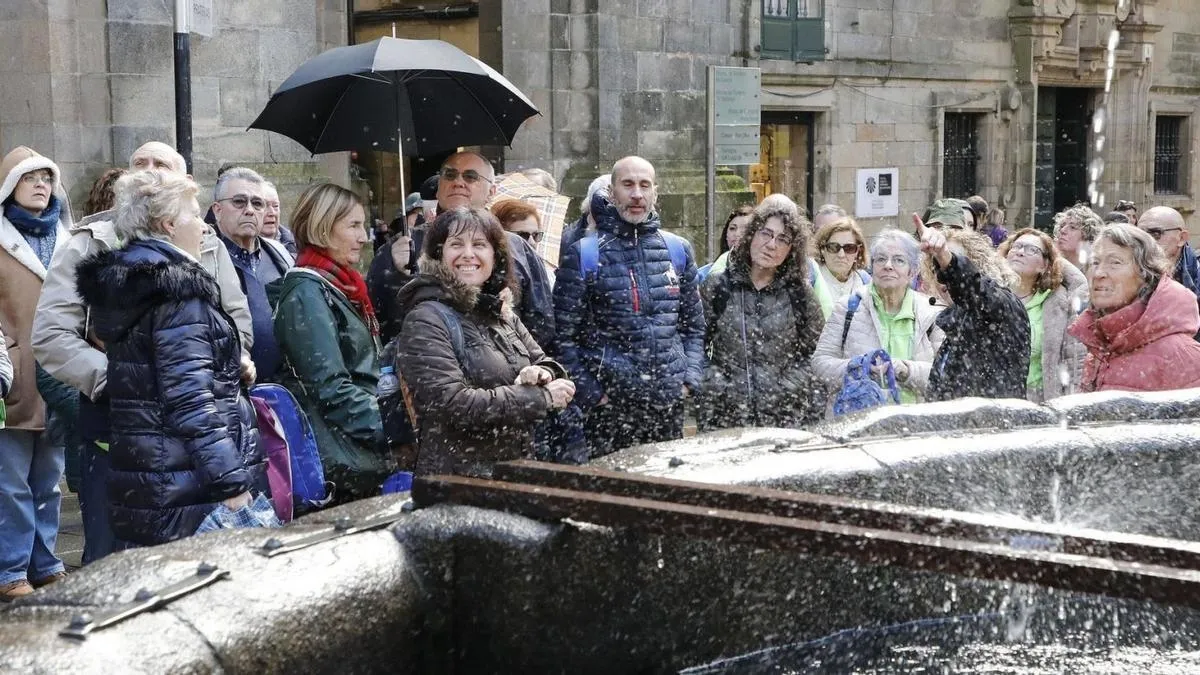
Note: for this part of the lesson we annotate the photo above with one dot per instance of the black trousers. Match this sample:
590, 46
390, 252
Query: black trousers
621, 424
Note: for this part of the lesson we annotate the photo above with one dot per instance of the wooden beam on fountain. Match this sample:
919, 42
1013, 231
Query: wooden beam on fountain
893, 546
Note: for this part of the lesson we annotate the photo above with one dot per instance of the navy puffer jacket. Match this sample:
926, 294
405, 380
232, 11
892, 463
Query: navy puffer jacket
182, 433
634, 329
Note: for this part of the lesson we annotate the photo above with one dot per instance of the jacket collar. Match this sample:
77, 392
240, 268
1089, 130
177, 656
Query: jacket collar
16, 246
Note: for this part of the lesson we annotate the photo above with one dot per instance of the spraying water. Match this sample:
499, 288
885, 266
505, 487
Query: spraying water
1099, 118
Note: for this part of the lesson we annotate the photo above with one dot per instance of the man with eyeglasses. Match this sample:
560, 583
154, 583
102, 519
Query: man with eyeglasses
239, 207
1168, 228
465, 180
68, 350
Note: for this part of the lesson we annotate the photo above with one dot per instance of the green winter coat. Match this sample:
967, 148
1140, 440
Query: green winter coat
331, 365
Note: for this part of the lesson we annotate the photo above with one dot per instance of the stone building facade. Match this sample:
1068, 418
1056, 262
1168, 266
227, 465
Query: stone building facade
87, 81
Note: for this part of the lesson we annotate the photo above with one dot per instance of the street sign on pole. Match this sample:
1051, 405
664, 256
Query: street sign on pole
734, 127
202, 17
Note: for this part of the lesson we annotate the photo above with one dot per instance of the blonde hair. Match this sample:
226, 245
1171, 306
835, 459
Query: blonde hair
978, 249
320, 207
146, 199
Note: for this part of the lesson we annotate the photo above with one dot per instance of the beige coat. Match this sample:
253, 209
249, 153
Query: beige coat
59, 329
21, 275
830, 359
1060, 350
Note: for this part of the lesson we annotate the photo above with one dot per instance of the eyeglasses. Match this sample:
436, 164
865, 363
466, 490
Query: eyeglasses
531, 237
240, 202
35, 178
1124, 205
1028, 249
896, 261
1158, 232
766, 236
952, 226
471, 176
832, 248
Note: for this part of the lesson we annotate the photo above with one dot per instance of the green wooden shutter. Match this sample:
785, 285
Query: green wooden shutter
791, 36
777, 32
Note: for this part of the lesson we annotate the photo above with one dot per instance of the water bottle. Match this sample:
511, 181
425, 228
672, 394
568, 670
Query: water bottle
389, 383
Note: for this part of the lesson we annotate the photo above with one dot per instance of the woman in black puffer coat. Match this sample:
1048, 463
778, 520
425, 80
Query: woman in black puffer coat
183, 438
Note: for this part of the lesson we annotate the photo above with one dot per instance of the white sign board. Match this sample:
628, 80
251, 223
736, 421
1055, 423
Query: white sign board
877, 193
202, 17
736, 114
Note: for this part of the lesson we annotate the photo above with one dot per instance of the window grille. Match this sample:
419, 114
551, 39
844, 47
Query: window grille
1168, 154
960, 156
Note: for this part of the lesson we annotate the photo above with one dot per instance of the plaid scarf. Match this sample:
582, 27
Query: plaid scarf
346, 279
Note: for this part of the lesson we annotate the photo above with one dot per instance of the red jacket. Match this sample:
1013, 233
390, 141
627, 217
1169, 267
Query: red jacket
1144, 346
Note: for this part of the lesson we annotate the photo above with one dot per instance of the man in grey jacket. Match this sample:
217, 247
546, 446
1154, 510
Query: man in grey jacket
65, 347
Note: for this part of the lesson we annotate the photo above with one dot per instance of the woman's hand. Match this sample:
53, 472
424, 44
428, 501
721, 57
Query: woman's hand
238, 502
561, 392
534, 376
933, 242
401, 253
249, 373
879, 369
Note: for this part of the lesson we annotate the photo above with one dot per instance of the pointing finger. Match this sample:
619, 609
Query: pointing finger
919, 226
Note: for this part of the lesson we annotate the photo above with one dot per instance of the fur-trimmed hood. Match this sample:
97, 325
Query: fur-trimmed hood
20, 161
436, 281
120, 286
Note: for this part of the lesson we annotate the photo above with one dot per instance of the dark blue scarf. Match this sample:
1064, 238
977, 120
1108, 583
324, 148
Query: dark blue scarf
39, 231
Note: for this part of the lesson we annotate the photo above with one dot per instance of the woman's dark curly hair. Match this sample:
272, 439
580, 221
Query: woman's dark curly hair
743, 210
462, 220
101, 197
795, 266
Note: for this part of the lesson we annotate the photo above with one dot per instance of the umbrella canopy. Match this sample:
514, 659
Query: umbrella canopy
420, 97
551, 206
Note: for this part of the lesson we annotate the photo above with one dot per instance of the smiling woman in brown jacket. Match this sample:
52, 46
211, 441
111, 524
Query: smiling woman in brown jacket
479, 395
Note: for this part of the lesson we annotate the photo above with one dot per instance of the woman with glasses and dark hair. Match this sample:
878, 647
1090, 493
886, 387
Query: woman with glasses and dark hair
479, 381
1054, 293
763, 323
1139, 328
840, 252
889, 315
329, 338
731, 234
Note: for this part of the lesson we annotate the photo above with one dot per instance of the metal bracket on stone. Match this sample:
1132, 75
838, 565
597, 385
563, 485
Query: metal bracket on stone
145, 600
342, 527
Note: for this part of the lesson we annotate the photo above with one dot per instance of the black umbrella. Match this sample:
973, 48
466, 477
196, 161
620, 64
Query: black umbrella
418, 96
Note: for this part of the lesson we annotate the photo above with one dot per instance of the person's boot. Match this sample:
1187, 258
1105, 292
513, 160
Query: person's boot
15, 589
47, 580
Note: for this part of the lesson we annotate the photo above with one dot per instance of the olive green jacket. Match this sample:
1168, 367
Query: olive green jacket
331, 365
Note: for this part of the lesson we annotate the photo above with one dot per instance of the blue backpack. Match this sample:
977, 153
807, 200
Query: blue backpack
860, 391
308, 475
589, 253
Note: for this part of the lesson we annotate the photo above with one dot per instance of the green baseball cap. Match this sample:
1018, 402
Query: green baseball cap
948, 212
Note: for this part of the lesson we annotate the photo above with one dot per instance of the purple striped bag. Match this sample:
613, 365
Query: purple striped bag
279, 460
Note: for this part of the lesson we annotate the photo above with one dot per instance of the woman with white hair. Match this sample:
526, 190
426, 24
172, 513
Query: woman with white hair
183, 439
889, 315
986, 349
1140, 324
33, 226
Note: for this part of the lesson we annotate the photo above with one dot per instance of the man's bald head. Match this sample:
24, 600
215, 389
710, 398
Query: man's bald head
157, 155
634, 189
1167, 227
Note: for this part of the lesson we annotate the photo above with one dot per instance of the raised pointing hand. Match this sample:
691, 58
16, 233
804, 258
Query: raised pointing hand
933, 242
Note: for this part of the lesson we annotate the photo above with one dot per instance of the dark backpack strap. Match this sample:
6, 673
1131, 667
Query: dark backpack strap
454, 326
851, 308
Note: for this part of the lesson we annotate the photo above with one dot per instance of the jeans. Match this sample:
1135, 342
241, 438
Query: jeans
31, 465
93, 502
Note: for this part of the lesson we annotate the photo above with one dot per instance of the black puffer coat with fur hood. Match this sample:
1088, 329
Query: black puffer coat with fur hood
183, 437
470, 414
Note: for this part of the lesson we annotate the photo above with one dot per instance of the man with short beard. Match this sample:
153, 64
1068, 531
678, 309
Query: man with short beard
631, 330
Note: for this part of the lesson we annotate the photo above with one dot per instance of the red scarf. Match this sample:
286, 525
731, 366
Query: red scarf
346, 279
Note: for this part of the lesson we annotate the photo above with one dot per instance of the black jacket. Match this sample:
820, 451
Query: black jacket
986, 350
183, 437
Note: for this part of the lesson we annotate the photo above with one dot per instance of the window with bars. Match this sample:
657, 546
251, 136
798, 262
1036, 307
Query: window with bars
1168, 154
793, 30
960, 155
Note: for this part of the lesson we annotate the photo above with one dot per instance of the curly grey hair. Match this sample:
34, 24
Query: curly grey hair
1148, 257
146, 199
891, 235
1088, 221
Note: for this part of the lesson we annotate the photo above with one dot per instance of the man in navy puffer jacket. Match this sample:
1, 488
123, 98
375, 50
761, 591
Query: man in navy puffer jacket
631, 332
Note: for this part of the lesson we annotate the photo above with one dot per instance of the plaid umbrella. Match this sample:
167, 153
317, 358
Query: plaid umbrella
551, 206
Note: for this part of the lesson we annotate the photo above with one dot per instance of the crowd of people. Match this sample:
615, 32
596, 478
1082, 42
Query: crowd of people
132, 336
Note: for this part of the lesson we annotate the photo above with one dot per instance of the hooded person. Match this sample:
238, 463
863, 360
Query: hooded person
66, 346
35, 221
477, 396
